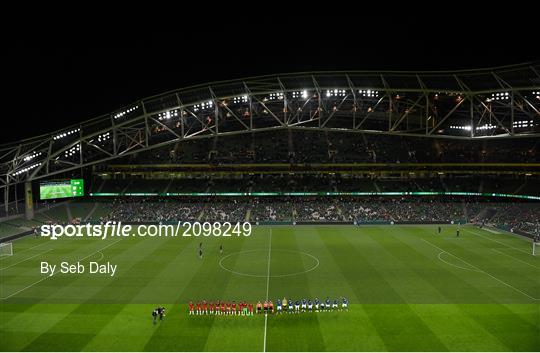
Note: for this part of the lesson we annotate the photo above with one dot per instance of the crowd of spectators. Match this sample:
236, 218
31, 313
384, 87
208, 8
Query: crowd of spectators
232, 211
151, 210
271, 209
317, 210
517, 216
402, 209
511, 215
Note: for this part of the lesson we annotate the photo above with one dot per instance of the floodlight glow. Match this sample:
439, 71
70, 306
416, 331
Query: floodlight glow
498, 96
461, 127
336, 93
486, 127
203, 105
240, 99
104, 137
24, 170
64, 134
72, 150
127, 111
276, 96
168, 114
523, 123
369, 93
300, 94
32, 156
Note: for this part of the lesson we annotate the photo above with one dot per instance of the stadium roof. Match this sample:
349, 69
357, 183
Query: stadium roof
491, 102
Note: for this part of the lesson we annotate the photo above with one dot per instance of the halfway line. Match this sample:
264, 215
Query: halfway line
267, 287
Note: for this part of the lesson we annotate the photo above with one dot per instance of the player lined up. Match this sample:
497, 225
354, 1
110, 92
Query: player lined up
284, 305
307, 305
241, 308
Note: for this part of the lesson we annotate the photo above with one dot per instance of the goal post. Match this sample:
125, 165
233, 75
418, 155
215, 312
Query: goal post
6, 249
536, 241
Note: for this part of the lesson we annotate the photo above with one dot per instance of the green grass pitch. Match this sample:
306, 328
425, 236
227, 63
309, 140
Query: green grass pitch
410, 290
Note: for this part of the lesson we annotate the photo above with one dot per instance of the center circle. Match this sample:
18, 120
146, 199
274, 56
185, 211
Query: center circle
254, 263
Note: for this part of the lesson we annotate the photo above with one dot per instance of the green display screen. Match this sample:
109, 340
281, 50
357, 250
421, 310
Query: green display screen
61, 189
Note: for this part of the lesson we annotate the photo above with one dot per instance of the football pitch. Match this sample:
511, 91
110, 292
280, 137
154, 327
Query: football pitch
409, 288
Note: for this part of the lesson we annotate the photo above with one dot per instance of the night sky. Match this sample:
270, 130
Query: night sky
59, 75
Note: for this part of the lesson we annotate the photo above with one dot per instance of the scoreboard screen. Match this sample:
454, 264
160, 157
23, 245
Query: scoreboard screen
61, 189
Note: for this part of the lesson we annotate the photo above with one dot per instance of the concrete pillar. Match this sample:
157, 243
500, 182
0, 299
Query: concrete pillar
28, 201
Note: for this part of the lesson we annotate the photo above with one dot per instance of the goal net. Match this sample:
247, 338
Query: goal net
6, 249
536, 248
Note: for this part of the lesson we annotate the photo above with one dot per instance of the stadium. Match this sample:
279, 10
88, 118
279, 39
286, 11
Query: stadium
398, 210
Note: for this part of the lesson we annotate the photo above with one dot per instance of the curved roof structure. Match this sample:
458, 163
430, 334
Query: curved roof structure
483, 103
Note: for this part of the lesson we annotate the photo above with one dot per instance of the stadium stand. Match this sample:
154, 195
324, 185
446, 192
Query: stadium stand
509, 215
333, 147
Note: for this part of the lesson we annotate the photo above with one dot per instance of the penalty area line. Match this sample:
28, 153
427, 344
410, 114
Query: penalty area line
515, 258
33, 247
482, 271
28, 258
499, 242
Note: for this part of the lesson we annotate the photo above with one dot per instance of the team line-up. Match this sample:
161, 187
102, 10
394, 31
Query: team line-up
243, 308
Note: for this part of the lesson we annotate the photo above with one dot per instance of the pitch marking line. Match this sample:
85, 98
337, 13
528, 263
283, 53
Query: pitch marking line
267, 287
265, 326
268, 269
101, 257
454, 265
272, 276
515, 258
25, 250
509, 246
41, 280
480, 270
28, 258
33, 247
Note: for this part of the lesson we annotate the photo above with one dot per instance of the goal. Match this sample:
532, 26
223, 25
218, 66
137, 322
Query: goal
6, 249
536, 241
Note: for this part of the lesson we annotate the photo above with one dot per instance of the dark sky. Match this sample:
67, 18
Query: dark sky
59, 74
